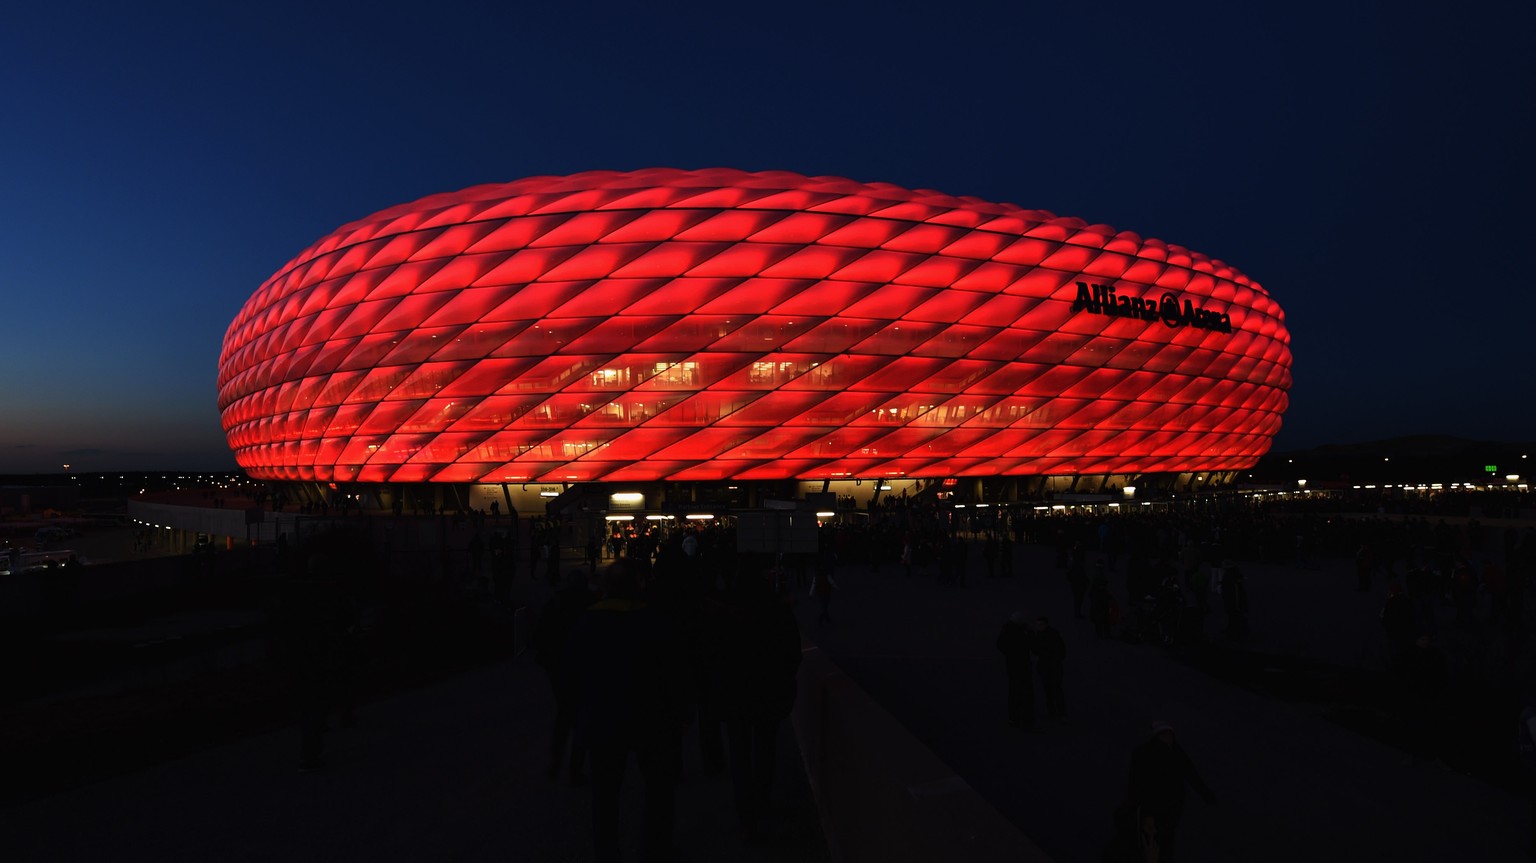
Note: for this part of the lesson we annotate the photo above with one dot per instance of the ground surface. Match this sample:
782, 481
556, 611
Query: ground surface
1293, 783
452, 769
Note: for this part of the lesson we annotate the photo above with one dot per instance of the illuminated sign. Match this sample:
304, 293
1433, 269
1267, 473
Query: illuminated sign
1103, 300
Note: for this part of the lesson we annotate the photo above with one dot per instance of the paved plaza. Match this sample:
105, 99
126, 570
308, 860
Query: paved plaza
454, 770
1291, 784
450, 772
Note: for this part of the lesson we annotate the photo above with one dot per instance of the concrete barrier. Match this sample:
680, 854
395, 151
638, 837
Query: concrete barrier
883, 795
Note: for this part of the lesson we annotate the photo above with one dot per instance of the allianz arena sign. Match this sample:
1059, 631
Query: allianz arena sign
1102, 300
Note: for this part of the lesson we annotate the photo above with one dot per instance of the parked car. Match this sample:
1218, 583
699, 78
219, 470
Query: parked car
47, 536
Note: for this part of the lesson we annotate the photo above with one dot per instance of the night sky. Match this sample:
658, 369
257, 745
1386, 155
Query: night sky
1371, 169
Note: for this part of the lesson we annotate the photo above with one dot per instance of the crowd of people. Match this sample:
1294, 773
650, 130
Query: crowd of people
667, 628
648, 647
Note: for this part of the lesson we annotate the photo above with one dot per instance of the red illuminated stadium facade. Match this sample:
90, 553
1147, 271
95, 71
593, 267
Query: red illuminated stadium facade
716, 325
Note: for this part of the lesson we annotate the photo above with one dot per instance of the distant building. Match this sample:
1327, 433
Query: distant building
35, 499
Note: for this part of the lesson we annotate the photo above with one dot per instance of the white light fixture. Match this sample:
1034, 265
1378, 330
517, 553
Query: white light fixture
700, 516
618, 518
825, 514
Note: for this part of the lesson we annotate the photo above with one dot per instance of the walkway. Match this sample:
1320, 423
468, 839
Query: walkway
450, 772
1291, 784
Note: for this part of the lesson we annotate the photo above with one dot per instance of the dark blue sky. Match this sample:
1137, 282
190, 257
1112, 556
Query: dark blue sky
1372, 169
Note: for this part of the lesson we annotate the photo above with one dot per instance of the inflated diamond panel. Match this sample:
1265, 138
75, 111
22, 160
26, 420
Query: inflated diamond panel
716, 324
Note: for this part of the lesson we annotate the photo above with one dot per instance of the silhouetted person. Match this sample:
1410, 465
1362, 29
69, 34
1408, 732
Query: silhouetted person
549, 642
1526, 747
1234, 599
315, 642
1496, 585
552, 561
631, 699
1397, 618
717, 620
1365, 564
1051, 649
1427, 677
1160, 770
1464, 592
822, 587
1099, 604
476, 554
1196, 576
957, 551
1077, 579
757, 685
1168, 607
1014, 643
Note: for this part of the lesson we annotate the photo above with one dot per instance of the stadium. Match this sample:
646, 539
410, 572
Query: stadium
731, 337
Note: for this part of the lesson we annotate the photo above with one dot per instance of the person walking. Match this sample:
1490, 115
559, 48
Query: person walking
1077, 579
548, 643
1051, 649
822, 587
1496, 585
1464, 592
1526, 747
1100, 605
1365, 565
632, 699
1160, 771
316, 631
755, 677
1426, 680
1234, 599
1014, 642
1398, 620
